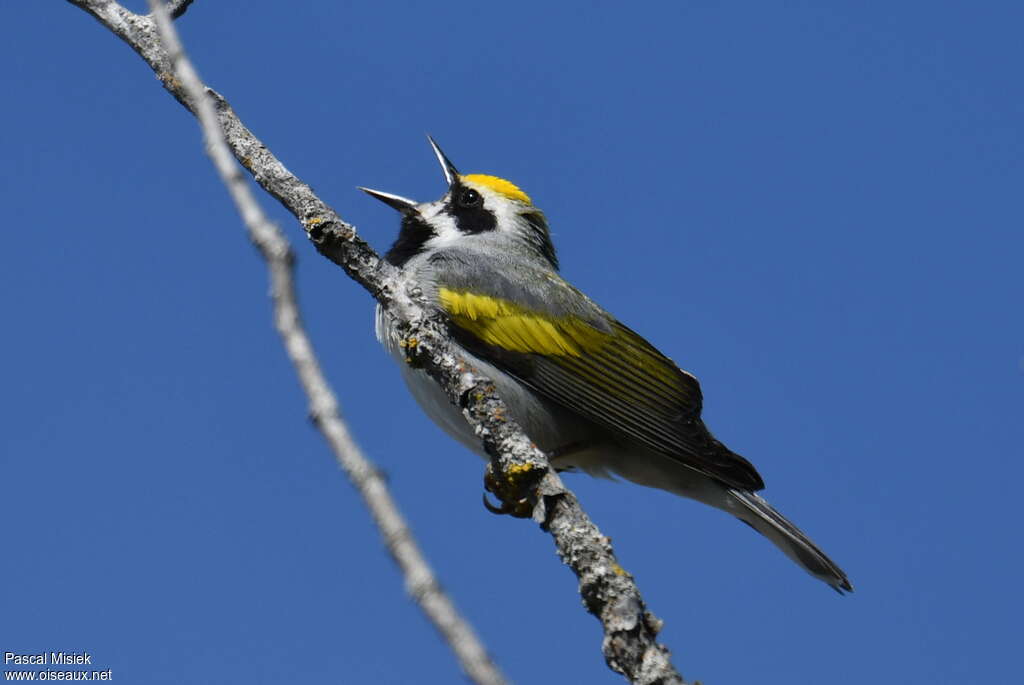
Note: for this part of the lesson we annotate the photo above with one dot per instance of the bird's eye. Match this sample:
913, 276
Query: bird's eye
470, 198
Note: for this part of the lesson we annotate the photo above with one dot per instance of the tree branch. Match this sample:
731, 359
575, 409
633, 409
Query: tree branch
176, 8
519, 474
421, 581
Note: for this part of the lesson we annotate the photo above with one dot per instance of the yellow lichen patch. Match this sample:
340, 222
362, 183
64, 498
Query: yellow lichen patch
507, 325
618, 570
499, 185
509, 479
517, 470
408, 344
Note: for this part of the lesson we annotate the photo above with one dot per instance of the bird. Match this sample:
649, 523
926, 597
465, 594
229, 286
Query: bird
590, 392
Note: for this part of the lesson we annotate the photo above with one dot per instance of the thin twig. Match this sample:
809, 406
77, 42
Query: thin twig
176, 8
519, 473
421, 581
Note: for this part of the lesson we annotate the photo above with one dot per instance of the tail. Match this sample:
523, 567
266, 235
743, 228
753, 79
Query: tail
760, 515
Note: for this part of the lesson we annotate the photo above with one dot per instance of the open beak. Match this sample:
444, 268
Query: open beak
402, 204
450, 172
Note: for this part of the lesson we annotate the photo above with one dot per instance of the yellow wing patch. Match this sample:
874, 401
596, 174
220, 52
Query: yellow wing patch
512, 327
499, 185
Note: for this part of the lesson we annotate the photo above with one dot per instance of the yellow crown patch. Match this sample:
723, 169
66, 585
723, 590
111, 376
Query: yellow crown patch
499, 185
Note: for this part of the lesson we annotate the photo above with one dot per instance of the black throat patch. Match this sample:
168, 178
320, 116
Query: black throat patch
412, 237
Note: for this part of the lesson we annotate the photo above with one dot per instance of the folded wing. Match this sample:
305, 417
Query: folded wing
583, 359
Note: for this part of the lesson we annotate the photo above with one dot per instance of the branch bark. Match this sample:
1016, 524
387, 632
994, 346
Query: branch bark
176, 8
519, 474
421, 582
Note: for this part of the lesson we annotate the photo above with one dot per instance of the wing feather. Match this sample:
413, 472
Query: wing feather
589, 362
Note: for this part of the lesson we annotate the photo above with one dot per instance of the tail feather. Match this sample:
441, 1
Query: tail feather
766, 520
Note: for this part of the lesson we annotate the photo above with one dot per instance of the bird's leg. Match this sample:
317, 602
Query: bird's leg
514, 489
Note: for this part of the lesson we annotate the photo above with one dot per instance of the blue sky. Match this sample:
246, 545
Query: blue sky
814, 207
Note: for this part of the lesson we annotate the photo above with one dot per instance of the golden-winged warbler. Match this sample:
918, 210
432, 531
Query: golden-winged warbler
589, 392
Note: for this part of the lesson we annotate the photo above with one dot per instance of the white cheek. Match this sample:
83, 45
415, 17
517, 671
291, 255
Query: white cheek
447, 232
506, 216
